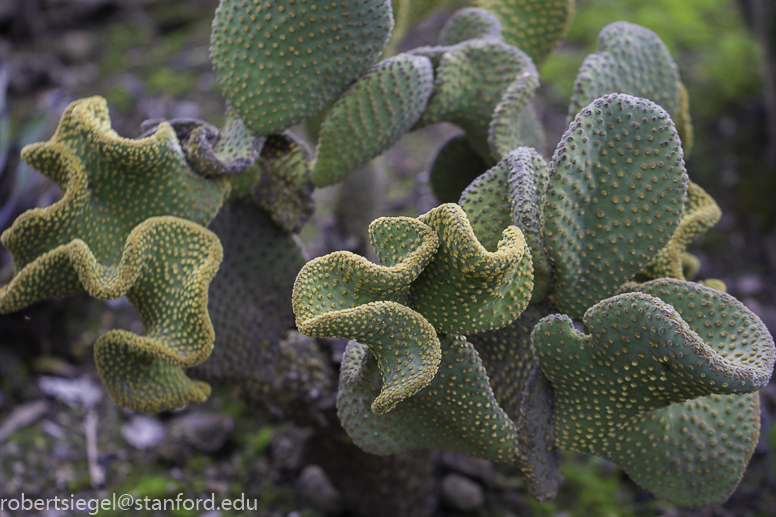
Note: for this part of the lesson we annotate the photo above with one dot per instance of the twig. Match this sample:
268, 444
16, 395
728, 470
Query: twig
96, 472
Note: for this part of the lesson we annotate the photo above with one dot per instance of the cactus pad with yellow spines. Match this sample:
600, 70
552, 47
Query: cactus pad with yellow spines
515, 123
470, 23
281, 62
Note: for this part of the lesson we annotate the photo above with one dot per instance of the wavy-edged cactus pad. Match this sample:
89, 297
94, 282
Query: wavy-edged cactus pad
455, 412
469, 83
466, 288
615, 196
111, 184
165, 271
470, 23
454, 165
284, 188
252, 315
535, 26
624, 385
701, 212
632, 60
281, 62
344, 295
515, 123
372, 115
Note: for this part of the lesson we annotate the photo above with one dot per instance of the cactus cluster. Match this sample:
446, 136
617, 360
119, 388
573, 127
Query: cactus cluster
466, 335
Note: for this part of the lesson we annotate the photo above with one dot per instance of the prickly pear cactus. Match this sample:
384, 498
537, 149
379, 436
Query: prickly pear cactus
470, 23
281, 62
614, 198
454, 165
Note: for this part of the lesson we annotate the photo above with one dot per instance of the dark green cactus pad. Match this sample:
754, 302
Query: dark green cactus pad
281, 62
632, 60
110, 184
692, 453
344, 295
470, 23
488, 204
527, 180
455, 412
466, 288
284, 188
252, 314
614, 198
701, 212
535, 26
453, 167
508, 130
165, 271
371, 116
470, 81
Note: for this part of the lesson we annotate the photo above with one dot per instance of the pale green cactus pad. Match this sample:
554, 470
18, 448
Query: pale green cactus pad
344, 295
701, 212
284, 188
455, 412
470, 23
111, 184
632, 60
454, 165
371, 116
165, 271
281, 62
535, 26
465, 287
488, 204
515, 123
615, 196
624, 385
469, 83
252, 315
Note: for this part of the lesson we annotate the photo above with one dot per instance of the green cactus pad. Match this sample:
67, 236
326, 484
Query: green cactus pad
535, 26
470, 23
284, 188
701, 212
165, 271
488, 204
251, 311
455, 412
453, 167
528, 177
470, 81
466, 288
344, 295
614, 198
508, 130
631, 60
281, 62
683, 120
111, 184
372, 115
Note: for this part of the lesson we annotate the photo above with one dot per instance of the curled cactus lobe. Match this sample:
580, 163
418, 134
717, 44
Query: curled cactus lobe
632, 60
659, 385
466, 288
165, 271
281, 62
701, 212
454, 165
371, 116
515, 122
284, 188
534, 26
614, 198
456, 411
111, 184
470, 23
344, 295
252, 314
470, 81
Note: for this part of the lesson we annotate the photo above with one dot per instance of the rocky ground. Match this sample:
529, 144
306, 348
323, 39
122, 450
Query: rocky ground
61, 435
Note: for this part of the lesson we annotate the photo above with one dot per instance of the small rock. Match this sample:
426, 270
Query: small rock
73, 392
315, 487
143, 432
461, 493
192, 432
748, 285
473, 467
